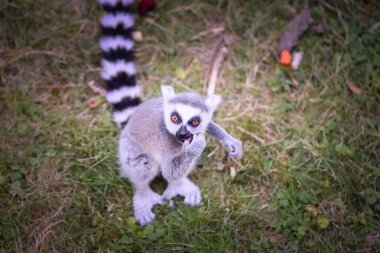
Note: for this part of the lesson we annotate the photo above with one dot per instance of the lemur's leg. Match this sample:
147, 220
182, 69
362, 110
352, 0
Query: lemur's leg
231, 144
176, 169
140, 169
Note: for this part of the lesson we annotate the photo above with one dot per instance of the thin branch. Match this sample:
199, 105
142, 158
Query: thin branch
252, 135
96, 89
332, 8
219, 55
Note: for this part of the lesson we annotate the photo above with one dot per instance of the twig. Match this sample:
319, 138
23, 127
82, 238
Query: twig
194, 8
80, 115
255, 70
154, 23
332, 8
19, 54
239, 115
42, 236
238, 163
294, 30
252, 135
213, 152
96, 89
60, 86
215, 31
374, 27
22, 53
214, 68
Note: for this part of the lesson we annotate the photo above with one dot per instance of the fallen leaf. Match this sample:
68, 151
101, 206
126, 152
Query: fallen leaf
55, 92
311, 209
275, 238
181, 73
79, 6
110, 207
92, 104
326, 183
217, 30
353, 88
323, 222
152, 78
302, 231
219, 166
372, 238
261, 191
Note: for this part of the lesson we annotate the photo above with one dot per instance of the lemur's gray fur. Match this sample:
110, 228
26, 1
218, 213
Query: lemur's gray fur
150, 144
163, 135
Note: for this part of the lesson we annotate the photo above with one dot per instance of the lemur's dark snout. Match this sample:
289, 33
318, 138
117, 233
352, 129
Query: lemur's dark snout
182, 134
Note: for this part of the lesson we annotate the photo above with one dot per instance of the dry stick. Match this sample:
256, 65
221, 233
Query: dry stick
217, 59
154, 23
332, 8
215, 31
294, 30
239, 115
19, 54
45, 232
254, 136
96, 89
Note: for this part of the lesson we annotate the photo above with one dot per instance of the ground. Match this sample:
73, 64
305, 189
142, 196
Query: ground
309, 183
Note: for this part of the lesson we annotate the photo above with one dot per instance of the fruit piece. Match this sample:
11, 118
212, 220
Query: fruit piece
285, 58
145, 6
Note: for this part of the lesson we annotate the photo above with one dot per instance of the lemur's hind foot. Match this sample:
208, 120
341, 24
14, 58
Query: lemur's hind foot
143, 202
185, 188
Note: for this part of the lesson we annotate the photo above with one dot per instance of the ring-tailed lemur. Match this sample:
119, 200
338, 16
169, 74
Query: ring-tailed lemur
162, 135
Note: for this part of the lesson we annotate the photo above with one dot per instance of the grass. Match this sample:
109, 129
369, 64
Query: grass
313, 186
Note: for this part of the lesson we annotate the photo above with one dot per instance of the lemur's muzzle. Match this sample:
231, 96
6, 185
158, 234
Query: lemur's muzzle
183, 134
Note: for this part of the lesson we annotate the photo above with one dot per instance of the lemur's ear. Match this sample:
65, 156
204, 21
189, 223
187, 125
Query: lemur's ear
167, 92
212, 102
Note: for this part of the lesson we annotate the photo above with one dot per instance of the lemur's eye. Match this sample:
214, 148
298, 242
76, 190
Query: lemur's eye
195, 122
175, 118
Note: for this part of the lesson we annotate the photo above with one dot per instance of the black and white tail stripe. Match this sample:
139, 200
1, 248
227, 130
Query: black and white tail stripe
118, 68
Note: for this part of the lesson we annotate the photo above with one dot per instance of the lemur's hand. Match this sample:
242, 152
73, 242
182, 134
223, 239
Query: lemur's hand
196, 146
233, 147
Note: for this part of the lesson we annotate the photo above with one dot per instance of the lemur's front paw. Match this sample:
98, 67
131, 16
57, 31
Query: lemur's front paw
233, 147
196, 146
143, 202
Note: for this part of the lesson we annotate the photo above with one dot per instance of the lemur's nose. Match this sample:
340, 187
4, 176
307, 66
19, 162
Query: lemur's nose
182, 132
182, 135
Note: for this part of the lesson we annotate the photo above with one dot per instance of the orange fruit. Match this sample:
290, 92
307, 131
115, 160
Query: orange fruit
285, 58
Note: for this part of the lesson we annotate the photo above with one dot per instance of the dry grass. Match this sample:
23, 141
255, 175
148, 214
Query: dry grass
309, 178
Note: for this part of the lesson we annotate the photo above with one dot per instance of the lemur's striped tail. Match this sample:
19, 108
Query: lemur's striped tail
118, 68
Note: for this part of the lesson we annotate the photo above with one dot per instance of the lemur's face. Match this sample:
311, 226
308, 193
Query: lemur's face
187, 114
184, 121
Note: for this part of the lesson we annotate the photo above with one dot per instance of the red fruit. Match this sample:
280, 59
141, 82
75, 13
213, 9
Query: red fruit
145, 6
